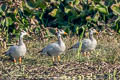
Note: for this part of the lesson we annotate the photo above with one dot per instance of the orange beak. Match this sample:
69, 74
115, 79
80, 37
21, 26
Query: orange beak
96, 32
28, 34
65, 33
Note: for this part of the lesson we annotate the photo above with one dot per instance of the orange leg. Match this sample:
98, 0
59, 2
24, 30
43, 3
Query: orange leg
20, 60
53, 59
58, 58
88, 55
84, 54
14, 60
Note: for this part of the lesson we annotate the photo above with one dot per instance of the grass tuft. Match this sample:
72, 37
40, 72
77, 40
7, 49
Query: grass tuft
103, 62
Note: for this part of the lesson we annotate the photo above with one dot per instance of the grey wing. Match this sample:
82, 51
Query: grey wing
46, 49
85, 44
11, 50
50, 48
76, 45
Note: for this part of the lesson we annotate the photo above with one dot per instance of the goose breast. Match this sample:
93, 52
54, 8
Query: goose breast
17, 51
53, 49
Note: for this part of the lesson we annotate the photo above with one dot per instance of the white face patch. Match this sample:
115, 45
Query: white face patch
23, 33
92, 31
59, 35
61, 31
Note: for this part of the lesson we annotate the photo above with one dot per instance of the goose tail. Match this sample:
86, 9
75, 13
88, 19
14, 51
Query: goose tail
70, 48
39, 51
7, 53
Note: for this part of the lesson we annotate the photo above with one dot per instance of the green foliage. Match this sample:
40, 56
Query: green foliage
116, 10
64, 14
79, 49
102, 8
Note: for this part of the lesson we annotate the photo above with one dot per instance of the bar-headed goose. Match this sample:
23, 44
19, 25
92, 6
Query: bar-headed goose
17, 51
87, 44
56, 48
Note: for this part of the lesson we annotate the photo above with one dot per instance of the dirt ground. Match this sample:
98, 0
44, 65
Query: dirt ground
103, 64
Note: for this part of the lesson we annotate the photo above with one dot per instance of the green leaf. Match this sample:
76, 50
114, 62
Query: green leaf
15, 11
119, 31
41, 3
77, 29
77, 2
96, 17
116, 8
102, 8
96, 1
3, 22
53, 12
8, 21
1, 10
4, 7
30, 4
67, 10
68, 1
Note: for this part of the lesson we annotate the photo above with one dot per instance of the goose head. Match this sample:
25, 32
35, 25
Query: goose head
92, 31
23, 33
60, 31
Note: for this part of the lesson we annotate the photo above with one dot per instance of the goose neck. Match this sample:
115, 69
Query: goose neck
59, 39
91, 36
21, 40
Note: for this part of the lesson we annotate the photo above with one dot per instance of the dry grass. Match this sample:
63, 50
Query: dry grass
103, 63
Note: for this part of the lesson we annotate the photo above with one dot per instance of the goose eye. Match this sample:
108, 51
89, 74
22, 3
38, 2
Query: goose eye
60, 30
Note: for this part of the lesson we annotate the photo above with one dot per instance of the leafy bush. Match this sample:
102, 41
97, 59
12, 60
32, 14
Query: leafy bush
67, 14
